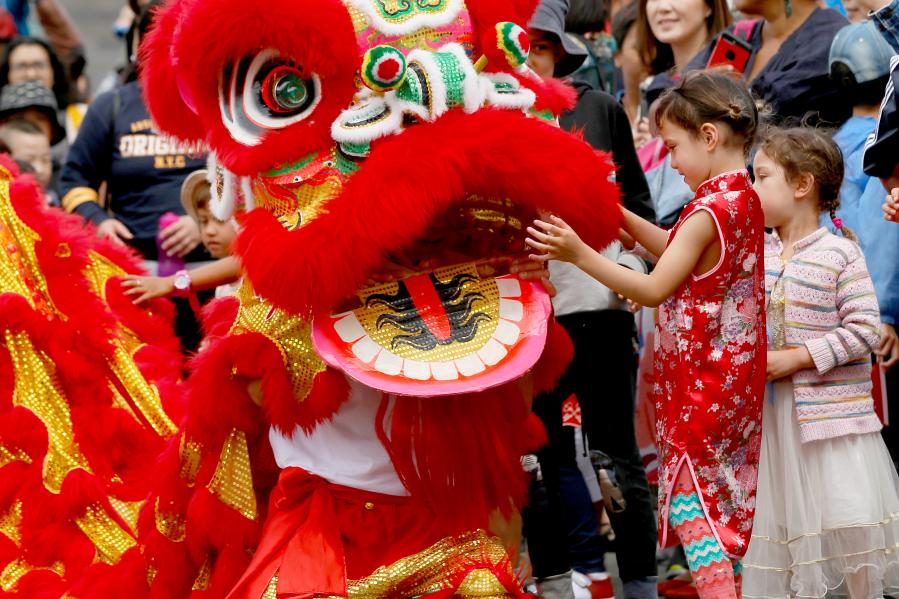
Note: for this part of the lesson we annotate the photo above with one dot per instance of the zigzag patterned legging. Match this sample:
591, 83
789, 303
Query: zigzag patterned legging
714, 574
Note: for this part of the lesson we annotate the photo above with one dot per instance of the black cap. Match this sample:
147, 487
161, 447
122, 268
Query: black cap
32, 94
550, 17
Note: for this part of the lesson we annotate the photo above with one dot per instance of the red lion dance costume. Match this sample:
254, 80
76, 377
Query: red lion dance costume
89, 396
355, 422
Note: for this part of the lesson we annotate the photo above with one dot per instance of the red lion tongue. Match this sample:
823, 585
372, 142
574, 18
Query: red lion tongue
428, 305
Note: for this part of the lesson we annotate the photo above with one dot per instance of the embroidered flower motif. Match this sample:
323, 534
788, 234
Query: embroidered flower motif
708, 353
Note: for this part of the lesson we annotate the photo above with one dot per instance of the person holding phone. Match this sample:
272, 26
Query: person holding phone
788, 67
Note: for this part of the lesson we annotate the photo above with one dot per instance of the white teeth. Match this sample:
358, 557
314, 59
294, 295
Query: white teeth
492, 352
349, 329
417, 371
444, 371
511, 310
366, 349
389, 363
508, 287
506, 332
506, 335
470, 365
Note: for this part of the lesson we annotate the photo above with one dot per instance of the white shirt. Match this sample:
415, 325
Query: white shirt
346, 449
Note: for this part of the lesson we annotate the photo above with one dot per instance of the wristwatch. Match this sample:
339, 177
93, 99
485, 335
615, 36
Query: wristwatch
182, 283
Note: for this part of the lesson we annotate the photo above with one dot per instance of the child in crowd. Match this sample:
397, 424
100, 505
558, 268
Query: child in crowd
27, 143
217, 236
710, 342
827, 493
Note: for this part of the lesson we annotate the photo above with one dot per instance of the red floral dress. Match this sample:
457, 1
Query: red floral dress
710, 354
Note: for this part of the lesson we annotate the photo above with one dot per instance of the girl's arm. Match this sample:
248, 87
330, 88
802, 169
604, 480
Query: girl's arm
208, 276
558, 241
652, 238
859, 333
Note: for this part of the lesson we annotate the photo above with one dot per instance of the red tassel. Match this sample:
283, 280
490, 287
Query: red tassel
556, 357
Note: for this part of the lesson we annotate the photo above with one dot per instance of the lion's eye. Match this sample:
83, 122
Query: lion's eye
284, 90
265, 92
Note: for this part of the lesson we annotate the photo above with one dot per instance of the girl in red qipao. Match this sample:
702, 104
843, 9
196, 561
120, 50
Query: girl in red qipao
711, 342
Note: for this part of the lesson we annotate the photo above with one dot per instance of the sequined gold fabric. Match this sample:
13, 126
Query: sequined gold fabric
129, 511
191, 455
232, 482
433, 569
10, 522
110, 539
7, 456
290, 334
384, 335
18, 568
20, 272
144, 396
170, 524
201, 582
38, 390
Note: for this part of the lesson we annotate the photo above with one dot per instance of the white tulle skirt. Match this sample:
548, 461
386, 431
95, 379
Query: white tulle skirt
827, 517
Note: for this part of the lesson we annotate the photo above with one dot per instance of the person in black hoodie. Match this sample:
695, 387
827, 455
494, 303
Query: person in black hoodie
603, 372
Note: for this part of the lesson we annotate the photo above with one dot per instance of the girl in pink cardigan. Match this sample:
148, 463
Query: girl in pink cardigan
827, 514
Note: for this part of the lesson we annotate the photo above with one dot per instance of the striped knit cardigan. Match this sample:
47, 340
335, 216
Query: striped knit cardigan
830, 307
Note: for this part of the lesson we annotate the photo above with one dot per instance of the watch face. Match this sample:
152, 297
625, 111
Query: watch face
182, 282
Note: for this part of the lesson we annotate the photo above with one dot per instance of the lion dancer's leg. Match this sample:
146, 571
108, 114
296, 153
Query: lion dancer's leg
715, 575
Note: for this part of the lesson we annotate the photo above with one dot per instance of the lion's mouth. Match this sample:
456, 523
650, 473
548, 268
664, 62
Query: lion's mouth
446, 314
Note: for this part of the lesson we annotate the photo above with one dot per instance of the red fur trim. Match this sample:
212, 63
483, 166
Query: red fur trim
490, 152
219, 400
554, 95
463, 467
158, 74
556, 357
318, 34
535, 433
219, 315
329, 390
485, 14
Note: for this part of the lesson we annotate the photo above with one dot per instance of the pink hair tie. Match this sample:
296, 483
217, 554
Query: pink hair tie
837, 222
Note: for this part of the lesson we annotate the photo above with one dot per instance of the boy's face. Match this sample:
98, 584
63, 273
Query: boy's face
34, 149
217, 235
546, 51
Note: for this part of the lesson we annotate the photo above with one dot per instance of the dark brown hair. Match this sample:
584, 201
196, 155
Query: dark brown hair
800, 150
710, 97
657, 55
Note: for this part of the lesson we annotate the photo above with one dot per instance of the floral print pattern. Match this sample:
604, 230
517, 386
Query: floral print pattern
710, 368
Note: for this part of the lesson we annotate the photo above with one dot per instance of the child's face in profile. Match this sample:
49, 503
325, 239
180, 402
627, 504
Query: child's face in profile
217, 235
777, 196
689, 153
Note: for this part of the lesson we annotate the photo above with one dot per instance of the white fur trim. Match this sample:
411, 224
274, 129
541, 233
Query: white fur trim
413, 24
521, 99
389, 125
246, 188
223, 209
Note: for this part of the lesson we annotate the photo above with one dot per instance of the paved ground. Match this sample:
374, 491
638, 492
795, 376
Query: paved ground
94, 19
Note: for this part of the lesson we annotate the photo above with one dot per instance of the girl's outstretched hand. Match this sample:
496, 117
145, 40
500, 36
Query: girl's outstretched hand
891, 206
556, 240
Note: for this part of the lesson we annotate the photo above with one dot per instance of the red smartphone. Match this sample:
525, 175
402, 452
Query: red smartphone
731, 50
